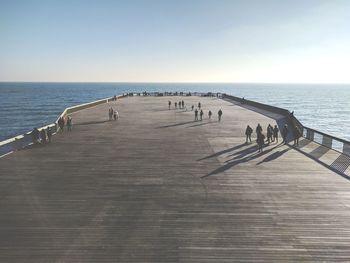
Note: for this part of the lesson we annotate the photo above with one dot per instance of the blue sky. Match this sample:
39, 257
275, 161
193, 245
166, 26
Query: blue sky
175, 41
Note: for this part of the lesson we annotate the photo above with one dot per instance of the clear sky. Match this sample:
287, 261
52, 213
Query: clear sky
298, 41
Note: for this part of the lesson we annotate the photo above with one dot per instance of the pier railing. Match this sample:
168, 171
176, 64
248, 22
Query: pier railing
329, 141
24, 140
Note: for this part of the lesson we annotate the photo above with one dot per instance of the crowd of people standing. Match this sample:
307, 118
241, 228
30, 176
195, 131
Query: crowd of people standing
271, 135
44, 136
197, 111
113, 114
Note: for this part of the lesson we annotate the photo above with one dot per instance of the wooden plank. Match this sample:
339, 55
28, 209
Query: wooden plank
155, 186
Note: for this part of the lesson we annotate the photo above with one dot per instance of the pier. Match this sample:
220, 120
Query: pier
157, 186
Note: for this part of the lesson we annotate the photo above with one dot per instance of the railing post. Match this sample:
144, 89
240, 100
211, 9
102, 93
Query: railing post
346, 148
327, 141
310, 134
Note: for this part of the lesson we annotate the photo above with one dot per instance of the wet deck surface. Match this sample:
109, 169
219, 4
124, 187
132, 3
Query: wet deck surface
155, 186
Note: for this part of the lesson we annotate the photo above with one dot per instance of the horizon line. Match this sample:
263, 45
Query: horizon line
180, 82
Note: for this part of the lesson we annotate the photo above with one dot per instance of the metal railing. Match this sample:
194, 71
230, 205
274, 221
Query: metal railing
24, 140
329, 141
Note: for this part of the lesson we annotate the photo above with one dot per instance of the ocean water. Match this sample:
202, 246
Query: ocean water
24, 106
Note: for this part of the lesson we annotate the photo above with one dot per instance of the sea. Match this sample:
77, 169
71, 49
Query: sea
25, 105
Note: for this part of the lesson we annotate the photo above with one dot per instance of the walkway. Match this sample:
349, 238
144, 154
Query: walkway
155, 186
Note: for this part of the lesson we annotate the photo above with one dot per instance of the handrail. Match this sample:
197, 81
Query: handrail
325, 134
329, 141
25, 140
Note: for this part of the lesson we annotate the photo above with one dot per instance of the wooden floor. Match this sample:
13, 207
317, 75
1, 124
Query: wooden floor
155, 186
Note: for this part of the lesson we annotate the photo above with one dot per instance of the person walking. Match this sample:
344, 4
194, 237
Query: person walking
183, 104
285, 133
49, 133
269, 133
248, 133
258, 129
199, 105
35, 136
201, 115
219, 114
196, 115
179, 105
115, 115
169, 104
175, 105
69, 123
296, 135
61, 123
275, 133
43, 136
209, 114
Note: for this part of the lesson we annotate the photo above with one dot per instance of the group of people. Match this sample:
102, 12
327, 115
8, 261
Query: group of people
197, 112
113, 114
271, 135
43, 136
180, 104
61, 123
201, 113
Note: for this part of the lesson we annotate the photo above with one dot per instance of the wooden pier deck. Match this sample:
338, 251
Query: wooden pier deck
155, 186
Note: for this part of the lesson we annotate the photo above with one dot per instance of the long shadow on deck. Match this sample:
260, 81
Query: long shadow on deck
233, 162
274, 156
158, 110
319, 152
244, 152
303, 143
174, 125
200, 124
222, 152
92, 122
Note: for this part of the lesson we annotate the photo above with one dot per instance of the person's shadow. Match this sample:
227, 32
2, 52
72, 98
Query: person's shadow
273, 156
175, 124
233, 162
223, 152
